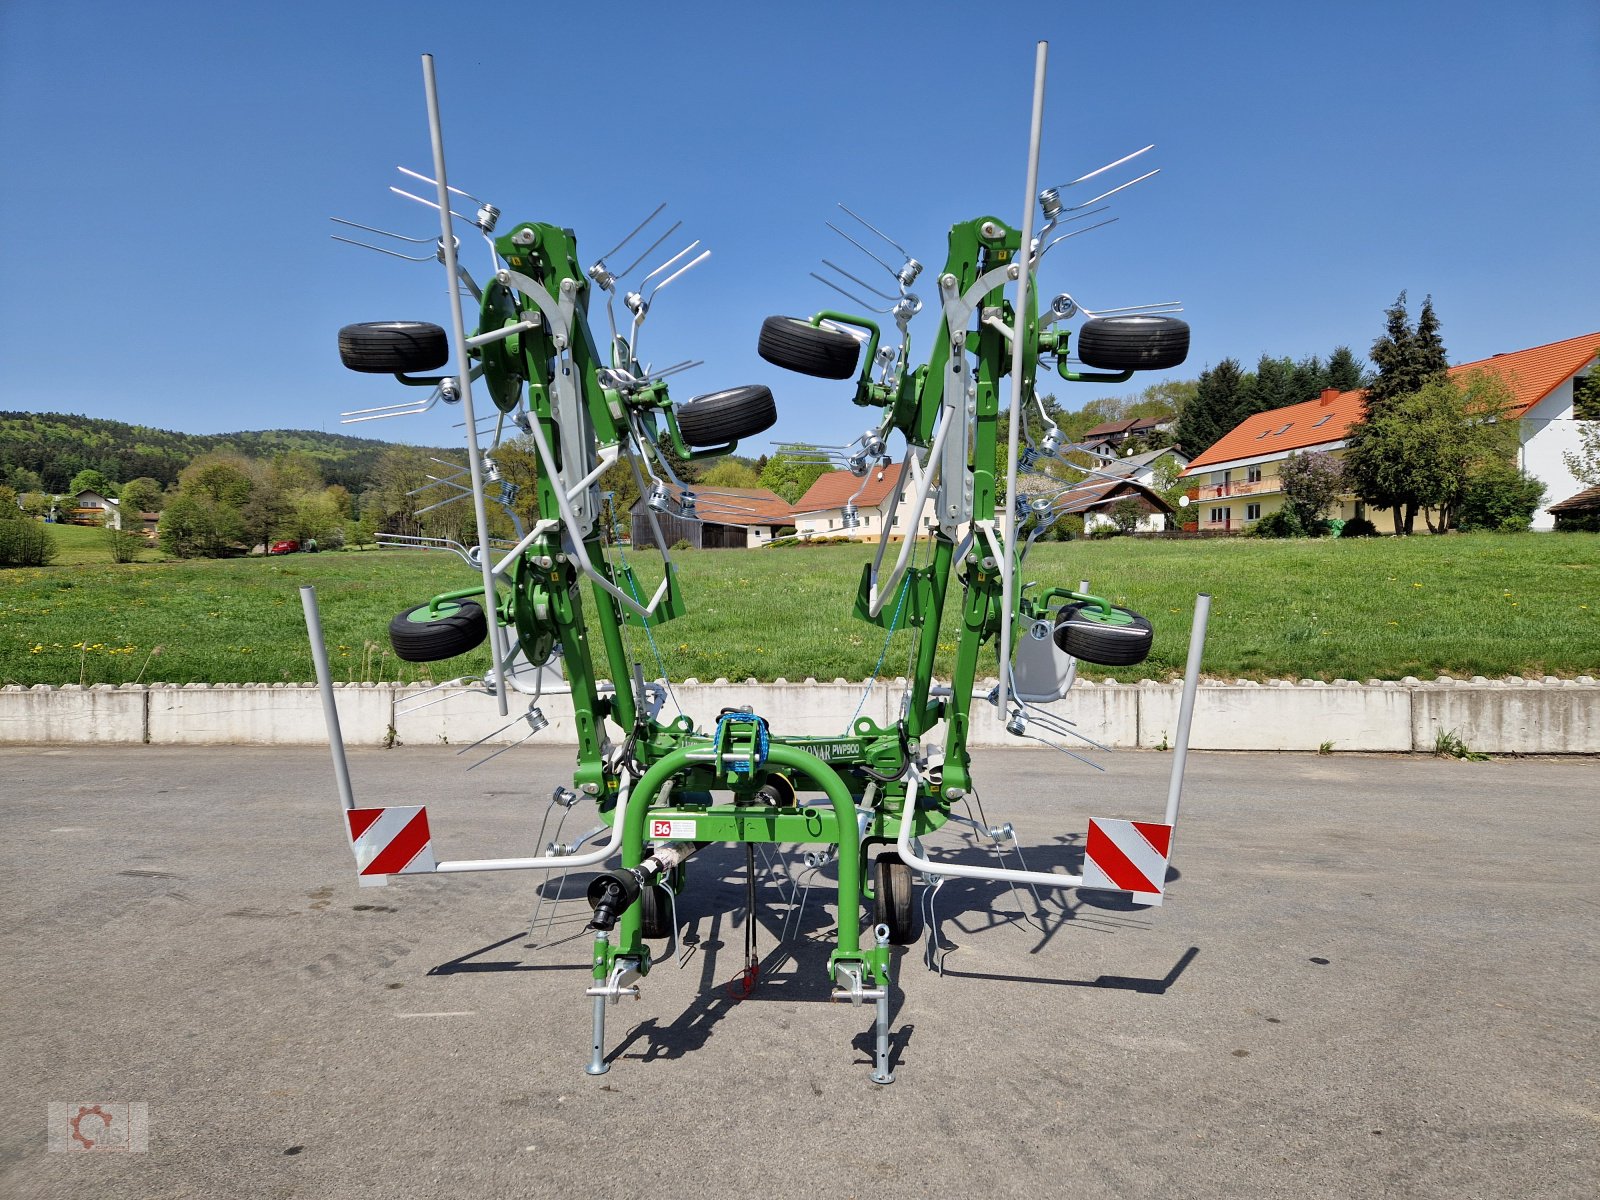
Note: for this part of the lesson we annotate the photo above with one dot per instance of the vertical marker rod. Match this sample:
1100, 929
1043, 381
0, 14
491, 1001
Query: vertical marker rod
1018, 354
458, 330
1191, 680
330, 711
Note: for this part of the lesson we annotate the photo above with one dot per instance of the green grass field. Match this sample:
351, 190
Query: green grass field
1478, 604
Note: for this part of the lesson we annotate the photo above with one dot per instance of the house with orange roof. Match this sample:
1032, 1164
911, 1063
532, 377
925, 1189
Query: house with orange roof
1237, 481
841, 504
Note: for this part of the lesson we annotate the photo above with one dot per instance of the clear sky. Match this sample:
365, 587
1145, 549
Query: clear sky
170, 169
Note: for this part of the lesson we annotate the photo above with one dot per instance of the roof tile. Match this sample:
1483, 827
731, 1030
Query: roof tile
836, 487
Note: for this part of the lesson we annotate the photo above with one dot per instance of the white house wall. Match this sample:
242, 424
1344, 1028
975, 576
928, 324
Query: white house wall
1546, 431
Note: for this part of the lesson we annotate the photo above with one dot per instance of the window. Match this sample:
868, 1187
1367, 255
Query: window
1219, 516
1219, 478
1323, 420
1285, 429
1261, 435
1252, 512
1254, 474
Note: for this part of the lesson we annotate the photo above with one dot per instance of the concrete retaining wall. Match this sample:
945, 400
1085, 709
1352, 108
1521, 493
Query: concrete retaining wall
1499, 716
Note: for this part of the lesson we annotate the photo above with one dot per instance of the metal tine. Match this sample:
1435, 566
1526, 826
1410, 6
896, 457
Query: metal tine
435, 182
381, 250
650, 249
450, 500
670, 261
356, 412
878, 231
1079, 232
1163, 305
1110, 165
421, 241
430, 204
687, 364
681, 271
635, 232
862, 282
503, 749
860, 247
1042, 742
403, 712
1119, 188
411, 412
1060, 725
473, 746
857, 299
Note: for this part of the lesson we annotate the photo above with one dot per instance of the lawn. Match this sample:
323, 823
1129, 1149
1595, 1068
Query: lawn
1478, 604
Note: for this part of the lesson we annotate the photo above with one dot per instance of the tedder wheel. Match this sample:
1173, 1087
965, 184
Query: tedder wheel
655, 913
726, 416
797, 345
1119, 639
1133, 343
895, 904
420, 636
393, 347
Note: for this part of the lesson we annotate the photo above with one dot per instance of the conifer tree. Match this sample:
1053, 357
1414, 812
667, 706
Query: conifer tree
1409, 358
1344, 370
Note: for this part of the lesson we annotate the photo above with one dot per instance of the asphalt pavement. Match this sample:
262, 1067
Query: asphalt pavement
1374, 976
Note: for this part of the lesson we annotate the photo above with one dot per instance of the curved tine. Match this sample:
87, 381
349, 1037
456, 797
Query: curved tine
880, 232
422, 241
381, 250
862, 282
687, 364
1159, 305
435, 182
1079, 233
1063, 750
1085, 214
861, 248
854, 299
357, 412
1110, 165
669, 262
1121, 187
634, 234
681, 271
650, 249
410, 412
431, 204
1060, 725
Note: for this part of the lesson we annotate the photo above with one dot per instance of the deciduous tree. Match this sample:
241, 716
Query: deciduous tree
1311, 484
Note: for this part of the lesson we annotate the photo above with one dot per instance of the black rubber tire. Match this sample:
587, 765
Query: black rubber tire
1133, 343
718, 418
458, 626
895, 904
393, 347
797, 345
1082, 635
655, 913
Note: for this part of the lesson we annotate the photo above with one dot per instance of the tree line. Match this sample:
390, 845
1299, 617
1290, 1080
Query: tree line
43, 452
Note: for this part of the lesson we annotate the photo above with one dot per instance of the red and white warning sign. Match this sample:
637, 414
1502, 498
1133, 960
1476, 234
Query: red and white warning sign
390, 841
1127, 856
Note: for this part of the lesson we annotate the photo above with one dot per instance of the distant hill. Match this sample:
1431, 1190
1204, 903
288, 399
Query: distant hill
57, 446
